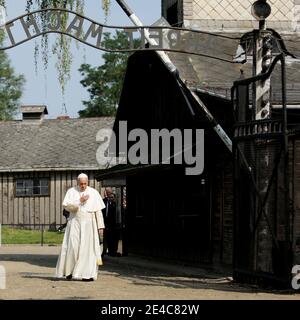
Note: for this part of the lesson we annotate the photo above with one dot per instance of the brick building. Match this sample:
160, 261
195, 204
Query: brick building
228, 15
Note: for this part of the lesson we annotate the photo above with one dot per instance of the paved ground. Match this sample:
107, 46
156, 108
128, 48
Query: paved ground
30, 269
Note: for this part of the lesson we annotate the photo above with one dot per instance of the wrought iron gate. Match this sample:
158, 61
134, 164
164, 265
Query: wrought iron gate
262, 235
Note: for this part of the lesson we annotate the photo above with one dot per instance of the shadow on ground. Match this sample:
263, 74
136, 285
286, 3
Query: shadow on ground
46, 260
143, 276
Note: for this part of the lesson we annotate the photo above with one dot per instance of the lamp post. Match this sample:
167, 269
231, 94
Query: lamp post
261, 60
260, 10
261, 111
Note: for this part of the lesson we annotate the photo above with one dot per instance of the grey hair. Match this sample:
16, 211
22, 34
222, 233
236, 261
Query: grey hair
82, 176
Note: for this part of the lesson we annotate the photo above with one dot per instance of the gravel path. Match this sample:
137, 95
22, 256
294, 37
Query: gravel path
30, 275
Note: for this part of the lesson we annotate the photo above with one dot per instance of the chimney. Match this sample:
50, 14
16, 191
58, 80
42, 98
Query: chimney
63, 118
34, 112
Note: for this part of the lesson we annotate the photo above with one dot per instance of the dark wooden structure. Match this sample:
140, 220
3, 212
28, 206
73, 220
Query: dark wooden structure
170, 214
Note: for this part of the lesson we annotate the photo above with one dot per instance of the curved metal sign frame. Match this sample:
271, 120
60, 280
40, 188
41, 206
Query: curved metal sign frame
168, 38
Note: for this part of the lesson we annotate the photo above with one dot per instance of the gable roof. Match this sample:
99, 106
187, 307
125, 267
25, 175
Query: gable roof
51, 144
217, 76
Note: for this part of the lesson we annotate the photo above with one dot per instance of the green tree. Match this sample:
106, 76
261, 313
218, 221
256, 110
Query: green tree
11, 86
104, 83
62, 46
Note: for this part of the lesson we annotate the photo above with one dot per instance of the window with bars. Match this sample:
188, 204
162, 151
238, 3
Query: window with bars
32, 187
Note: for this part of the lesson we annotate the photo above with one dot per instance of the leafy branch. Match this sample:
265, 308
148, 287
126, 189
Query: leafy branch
62, 46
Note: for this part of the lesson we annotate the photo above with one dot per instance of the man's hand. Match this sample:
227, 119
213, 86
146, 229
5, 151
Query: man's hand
84, 198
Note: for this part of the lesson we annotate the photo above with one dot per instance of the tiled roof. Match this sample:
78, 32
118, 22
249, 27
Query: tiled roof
50, 144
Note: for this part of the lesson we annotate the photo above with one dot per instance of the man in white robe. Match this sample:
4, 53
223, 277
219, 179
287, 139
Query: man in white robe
80, 254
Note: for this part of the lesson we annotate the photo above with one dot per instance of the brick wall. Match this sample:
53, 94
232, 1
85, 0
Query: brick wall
236, 14
296, 16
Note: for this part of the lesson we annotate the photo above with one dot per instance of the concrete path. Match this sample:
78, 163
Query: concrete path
30, 275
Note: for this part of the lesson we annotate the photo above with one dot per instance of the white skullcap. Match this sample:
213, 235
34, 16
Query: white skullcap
82, 176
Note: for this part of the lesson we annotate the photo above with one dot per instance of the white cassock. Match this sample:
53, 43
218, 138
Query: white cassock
80, 253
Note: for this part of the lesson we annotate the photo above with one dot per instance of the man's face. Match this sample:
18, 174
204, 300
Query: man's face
111, 197
108, 192
83, 183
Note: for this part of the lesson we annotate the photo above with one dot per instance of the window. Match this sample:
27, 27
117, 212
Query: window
32, 187
172, 11
172, 15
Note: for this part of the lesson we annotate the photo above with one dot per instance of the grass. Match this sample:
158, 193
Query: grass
22, 236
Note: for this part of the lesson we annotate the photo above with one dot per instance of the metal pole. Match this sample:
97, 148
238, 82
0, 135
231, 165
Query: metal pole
254, 73
286, 170
258, 69
263, 61
42, 236
261, 107
172, 68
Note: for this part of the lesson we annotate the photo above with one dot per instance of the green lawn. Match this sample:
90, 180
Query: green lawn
21, 236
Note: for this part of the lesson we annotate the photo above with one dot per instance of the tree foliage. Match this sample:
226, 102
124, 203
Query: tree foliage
106, 6
62, 45
11, 86
104, 83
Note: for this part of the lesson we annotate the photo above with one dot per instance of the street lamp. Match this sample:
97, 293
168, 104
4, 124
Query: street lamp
262, 56
260, 10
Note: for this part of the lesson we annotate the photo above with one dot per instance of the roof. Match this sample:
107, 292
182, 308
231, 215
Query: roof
126, 170
216, 75
34, 109
51, 144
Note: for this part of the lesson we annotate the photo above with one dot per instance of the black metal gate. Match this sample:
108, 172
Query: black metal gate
262, 237
262, 250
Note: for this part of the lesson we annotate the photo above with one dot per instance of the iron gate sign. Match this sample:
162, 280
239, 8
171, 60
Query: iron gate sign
90, 32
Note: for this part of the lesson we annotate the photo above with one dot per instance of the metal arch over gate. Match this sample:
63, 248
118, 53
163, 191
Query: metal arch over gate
90, 33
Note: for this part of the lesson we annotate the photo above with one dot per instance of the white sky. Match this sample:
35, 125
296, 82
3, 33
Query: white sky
44, 88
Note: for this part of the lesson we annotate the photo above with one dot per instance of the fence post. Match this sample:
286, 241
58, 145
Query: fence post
42, 236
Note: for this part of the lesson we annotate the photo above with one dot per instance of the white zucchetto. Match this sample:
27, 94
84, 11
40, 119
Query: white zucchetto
82, 176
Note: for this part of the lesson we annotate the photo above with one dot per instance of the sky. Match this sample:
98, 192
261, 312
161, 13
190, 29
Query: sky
43, 87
